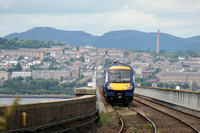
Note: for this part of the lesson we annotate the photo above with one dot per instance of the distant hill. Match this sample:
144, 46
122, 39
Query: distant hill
125, 39
195, 39
46, 33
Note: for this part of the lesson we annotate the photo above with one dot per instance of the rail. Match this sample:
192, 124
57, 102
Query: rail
123, 126
152, 123
189, 125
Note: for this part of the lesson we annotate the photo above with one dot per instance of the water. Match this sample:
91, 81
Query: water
9, 101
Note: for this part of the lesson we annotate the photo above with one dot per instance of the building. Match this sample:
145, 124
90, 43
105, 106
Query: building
4, 75
21, 73
50, 74
181, 77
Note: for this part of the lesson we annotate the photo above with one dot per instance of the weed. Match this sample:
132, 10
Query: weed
149, 127
104, 119
117, 108
9, 111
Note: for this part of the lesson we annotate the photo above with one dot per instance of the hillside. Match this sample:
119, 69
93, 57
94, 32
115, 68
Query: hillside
46, 33
128, 39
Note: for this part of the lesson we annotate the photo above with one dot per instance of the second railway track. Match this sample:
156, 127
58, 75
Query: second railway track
166, 120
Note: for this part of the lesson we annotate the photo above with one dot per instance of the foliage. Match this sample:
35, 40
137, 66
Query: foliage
166, 85
38, 86
105, 120
53, 66
49, 59
158, 59
18, 67
106, 52
172, 86
14, 43
183, 65
7, 113
126, 54
139, 80
117, 107
185, 86
33, 86
146, 84
36, 67
82, 59
20, 57
150, 77
129, 63
160, 85
68, 63
158, 70
108, 62
176, 54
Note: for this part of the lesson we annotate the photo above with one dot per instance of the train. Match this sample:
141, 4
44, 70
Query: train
118, 83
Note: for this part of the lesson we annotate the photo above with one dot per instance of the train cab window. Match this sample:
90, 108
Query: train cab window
119, 76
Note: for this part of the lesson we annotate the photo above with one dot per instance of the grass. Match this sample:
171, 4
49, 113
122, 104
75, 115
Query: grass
148, 126
117, 108
104, 119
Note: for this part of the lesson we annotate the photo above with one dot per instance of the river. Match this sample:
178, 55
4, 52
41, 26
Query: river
8, 100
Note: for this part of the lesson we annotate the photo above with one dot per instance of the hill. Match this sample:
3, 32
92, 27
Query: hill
125, 39
46, 33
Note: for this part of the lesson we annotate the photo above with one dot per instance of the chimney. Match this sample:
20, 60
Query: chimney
158, 42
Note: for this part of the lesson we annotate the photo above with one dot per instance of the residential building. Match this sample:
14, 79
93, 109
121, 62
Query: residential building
21, 73
4, 75
174, 77
50, 74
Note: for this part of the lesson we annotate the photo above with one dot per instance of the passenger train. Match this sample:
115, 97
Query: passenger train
118, 83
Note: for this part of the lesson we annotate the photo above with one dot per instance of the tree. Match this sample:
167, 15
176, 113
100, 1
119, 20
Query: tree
185, 86
166, 85
160, 84
18, 67
149, 84
108, 62
126, 54
106, 52
82, 59
138, 80
20, 57
61, 79
172, 86
47, 54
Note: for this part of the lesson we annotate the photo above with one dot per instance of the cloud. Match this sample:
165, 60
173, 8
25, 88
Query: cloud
6, 4
99, 17
62, 6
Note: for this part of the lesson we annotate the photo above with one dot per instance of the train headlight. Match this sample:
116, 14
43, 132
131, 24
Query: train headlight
109, 87
130, 87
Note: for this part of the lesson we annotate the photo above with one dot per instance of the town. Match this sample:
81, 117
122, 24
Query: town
68, 63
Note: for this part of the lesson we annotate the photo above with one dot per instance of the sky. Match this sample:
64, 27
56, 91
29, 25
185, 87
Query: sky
177, 17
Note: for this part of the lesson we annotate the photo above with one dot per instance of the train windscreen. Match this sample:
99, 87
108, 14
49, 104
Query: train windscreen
119, 76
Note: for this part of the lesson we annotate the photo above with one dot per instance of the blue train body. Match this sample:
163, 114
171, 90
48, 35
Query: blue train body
118, 83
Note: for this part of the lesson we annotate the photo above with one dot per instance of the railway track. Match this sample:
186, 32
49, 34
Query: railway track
133, 121
167, 119
122, 123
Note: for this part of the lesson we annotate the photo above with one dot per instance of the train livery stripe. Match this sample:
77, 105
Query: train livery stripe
120, 67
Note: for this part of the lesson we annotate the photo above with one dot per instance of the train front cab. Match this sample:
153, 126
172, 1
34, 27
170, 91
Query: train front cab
119, 85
